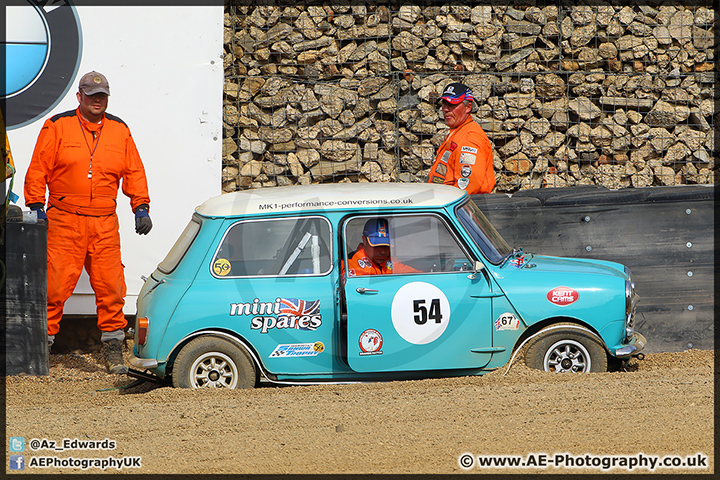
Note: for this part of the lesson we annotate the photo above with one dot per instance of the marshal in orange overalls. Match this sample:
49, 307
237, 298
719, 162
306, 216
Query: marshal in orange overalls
465, 160
81, 164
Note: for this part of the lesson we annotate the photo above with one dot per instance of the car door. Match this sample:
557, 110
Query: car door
437, 317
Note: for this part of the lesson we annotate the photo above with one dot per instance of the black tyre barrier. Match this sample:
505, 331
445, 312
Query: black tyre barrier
664, 234
24, 298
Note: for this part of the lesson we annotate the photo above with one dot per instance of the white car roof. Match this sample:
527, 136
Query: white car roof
330, 196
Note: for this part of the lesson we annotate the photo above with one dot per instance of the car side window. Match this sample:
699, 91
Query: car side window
422, 242
275, 247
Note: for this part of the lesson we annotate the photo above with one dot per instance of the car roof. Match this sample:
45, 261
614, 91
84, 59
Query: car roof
330, 196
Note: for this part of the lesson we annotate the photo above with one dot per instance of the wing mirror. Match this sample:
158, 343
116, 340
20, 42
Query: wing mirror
478, 266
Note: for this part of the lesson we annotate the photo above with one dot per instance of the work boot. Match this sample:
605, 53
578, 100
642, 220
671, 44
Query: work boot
112, 355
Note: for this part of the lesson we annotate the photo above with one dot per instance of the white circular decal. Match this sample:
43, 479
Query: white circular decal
420, 312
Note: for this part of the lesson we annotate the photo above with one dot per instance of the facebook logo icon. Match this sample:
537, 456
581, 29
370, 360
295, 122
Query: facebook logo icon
17, 462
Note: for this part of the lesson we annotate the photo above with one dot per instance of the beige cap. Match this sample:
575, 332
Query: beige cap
94, 82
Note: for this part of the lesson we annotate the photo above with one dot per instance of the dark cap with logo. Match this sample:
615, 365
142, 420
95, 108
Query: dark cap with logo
456, 93
94, 82
377, 232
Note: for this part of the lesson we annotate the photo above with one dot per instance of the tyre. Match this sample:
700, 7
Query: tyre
213, 362
566, 350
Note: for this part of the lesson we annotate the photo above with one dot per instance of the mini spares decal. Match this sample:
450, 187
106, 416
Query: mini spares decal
280, 314
562, 296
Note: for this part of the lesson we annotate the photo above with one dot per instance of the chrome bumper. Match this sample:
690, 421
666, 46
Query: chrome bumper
142, 363
637, 343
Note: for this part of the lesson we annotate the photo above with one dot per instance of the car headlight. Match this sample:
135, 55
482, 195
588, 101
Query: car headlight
631, 298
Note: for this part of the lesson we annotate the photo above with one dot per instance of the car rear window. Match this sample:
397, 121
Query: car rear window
275, 247
172, 259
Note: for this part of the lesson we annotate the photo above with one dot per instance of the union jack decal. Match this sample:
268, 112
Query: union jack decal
299, 308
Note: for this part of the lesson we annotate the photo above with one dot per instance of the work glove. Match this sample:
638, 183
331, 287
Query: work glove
39, 210
143, 224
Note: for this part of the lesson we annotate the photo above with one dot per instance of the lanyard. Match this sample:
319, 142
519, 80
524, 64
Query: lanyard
92, 151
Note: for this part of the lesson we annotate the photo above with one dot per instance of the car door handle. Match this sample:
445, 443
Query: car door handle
365, 290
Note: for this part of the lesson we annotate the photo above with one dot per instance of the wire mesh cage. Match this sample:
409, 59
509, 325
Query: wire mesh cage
569, 93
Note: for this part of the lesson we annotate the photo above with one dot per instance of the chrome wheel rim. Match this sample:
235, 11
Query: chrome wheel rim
214, 370
567, 356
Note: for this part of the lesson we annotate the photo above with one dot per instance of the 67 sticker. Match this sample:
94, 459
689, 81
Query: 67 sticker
507, 321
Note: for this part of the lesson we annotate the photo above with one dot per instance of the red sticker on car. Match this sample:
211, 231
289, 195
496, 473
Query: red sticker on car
562, 296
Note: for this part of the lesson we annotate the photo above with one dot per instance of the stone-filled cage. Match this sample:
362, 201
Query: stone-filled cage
570, 93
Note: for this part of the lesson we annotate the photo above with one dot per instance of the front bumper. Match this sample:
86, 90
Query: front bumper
635, 346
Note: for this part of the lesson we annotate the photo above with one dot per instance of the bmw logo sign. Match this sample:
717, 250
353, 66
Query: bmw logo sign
42, 46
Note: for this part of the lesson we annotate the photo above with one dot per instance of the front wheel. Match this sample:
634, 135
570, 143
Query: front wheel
566, 350
213, 362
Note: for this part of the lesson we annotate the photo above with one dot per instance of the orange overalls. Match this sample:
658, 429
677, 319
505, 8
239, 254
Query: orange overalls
360, 264
82, 163
465, 160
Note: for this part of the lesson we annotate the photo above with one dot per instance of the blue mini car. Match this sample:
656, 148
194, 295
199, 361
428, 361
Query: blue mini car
368, 282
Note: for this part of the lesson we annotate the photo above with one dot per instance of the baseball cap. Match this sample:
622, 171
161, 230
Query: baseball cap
94, 82
456, 93
377, 232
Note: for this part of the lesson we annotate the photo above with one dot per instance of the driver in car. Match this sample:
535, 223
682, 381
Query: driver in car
372, 256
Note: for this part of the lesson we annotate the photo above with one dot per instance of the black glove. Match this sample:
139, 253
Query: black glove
39, 210
143, 224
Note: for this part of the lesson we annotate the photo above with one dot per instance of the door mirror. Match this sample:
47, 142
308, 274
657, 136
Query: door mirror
478, 266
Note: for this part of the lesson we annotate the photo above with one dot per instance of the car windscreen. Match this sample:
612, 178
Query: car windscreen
181, 246
488, 240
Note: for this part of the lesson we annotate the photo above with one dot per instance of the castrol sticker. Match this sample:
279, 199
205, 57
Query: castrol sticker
562, 296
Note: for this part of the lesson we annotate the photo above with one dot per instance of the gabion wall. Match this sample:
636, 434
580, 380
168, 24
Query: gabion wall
570, 93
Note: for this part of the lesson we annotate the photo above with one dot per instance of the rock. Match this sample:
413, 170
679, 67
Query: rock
676, 154
509, 60
550, 86
518, 164
338, 151
665, 175
584, 108
251, 169
680, 23
665, 115
518, 100
308, 158
329, 169
643, 178
372, 171
660, 138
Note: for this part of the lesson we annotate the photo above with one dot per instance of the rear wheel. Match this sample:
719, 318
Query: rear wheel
566, 350
213, 362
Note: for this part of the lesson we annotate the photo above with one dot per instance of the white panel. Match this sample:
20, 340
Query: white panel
165, 69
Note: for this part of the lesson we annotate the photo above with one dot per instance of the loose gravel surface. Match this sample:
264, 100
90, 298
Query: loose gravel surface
659, 407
